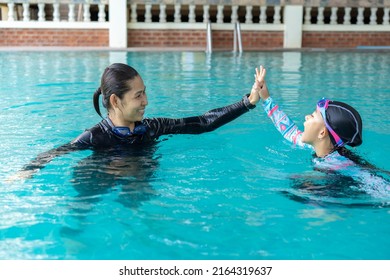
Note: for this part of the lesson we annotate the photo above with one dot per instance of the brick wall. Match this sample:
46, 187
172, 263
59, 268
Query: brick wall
253, 40
166, 38
344, 39
54, 37
222, 39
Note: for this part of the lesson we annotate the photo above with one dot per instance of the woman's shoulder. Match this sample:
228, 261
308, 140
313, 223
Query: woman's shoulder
93, 136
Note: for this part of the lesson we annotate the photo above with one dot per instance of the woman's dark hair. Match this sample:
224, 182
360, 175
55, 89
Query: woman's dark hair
115, 80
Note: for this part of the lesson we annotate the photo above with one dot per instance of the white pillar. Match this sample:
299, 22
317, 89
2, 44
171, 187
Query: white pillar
360, 16
133, 14
220, 14
148, 13
308, 15
386, 16
102, 13
277, 15
26, 12
263, 16
71, 14
86, 14
234, 16
347, 16
206, 14
56, 12
118, 23
11, 13
248, 14
177, 15
191, 14
320, 17
41, 12
373, 16
293, 26
163, 13
333, 15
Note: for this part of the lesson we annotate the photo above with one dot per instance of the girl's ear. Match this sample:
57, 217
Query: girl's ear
322, 133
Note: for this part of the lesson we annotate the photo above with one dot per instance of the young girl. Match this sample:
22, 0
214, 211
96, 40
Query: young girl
327, 130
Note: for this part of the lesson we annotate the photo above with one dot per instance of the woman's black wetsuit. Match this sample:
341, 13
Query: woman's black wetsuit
101, 136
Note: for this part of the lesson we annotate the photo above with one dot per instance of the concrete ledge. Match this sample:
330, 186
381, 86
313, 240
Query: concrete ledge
185, 49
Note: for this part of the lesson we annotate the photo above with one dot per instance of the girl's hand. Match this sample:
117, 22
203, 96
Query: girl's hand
259, 77
260, 86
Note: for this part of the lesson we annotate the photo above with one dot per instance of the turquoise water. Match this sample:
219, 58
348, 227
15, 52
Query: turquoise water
228, 194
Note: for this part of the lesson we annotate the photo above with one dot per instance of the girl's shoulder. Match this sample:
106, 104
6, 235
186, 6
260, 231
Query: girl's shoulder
334, 161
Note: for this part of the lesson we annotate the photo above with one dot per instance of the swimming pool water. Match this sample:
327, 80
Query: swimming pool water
227, 194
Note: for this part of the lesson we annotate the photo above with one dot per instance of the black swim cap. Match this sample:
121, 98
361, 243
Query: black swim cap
346, 122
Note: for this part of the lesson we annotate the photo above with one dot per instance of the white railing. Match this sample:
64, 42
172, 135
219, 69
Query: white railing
53, 13
256, 15
146, 13
178, 16
346, 19
184, 16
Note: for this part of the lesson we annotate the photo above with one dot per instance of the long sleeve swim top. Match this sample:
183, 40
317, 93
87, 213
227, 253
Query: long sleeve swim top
101, 136
283, 123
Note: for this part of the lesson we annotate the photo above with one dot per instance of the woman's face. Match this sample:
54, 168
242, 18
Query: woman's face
313, 125
134, 102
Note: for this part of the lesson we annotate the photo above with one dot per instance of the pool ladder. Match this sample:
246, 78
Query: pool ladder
209, 43
236, 38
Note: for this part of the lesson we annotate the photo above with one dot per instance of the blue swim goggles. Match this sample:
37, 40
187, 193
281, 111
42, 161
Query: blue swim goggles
124, 131
322, 105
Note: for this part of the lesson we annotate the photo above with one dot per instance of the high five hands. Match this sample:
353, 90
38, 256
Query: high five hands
259, 86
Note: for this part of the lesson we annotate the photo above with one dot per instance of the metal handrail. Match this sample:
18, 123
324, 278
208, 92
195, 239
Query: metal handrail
237, 38
209, 43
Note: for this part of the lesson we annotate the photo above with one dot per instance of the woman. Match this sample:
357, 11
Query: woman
327, 130
124, 96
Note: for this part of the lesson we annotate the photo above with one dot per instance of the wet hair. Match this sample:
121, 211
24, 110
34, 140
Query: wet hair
346, 122
115, 80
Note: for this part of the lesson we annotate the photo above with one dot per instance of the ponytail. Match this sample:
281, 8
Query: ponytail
96, 101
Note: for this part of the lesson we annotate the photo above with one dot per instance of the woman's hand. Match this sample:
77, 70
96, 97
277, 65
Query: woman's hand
254, 97
20, 176
260, 86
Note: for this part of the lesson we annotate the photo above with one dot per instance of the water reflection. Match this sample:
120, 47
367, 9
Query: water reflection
124, 173
327, 188
127, 172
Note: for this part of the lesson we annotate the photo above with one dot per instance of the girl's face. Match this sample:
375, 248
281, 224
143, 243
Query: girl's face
313, 125
134, 102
